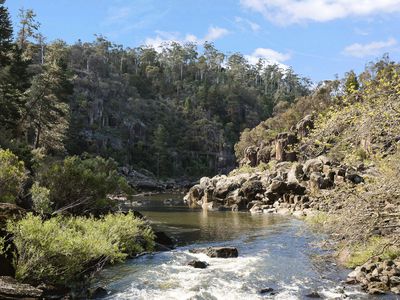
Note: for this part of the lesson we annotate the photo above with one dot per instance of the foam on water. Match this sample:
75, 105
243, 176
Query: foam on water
274, 252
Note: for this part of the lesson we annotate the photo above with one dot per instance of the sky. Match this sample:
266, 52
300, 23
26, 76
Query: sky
317, 38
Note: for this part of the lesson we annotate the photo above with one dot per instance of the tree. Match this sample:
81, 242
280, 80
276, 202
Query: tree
13, 75
351, 84
6, 31
28, 29
47, 111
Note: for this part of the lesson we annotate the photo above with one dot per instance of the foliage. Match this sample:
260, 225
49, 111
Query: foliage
62, 250
287, 116
12, 176
41, 199
180, 105
376, 246
247, 169
366, 121
80, 185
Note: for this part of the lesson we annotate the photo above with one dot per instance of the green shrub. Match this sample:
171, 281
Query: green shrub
63, 249
12, 176
82, 186
40, 199
375, 246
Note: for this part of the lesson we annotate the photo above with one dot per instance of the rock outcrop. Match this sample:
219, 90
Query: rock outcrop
285, 188
377, 277
10, 288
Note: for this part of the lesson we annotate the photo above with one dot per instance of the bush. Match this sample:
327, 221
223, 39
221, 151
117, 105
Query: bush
40, 199
61, 250
12, 176
375, 246
82, 186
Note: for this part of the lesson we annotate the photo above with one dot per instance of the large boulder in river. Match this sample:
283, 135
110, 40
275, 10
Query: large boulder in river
12, 289
222, 252
251, 188
194, 196
226, 185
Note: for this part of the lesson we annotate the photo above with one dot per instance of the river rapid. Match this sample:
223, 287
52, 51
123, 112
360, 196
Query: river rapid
274, 252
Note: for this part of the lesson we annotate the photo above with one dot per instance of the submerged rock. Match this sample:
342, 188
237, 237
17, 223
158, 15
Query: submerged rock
221, 252
163, 241
198, 264
98, 292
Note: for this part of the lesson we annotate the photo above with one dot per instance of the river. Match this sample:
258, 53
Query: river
274, 252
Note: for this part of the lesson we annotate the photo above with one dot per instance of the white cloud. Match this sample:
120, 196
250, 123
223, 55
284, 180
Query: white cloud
215, 33
286, 12
242, 22
165, 38
374, 48
269, 55
118, 14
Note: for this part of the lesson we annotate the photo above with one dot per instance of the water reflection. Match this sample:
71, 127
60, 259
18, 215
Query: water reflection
194, 226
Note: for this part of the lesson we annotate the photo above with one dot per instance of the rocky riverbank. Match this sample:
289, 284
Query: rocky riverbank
281, 177
145, 181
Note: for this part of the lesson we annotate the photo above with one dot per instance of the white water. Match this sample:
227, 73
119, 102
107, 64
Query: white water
274, 252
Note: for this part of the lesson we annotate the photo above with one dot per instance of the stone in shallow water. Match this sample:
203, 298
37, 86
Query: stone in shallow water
198, 264
266, 290
313, 294
222, 252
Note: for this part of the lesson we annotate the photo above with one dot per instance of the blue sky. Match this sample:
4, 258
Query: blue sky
318, 38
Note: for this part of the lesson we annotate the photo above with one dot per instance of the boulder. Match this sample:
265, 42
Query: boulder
10, 288
250, 155
198, 264
226, 185
296, 173
251, 188
221, 252
205, 182
377, 287
163, 241
312, 165
278, 187
264, 155
193, 197
305, 126
266, 290
296, 188
354, 178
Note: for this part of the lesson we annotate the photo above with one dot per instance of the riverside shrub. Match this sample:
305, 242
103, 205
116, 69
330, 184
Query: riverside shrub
62, 250
12, 176
82, 186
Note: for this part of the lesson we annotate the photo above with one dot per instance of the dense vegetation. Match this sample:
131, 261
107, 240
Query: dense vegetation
63, 250
183, 106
